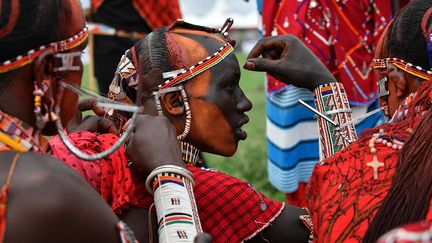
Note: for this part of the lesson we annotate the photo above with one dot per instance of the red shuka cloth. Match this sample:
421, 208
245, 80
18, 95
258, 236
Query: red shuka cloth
156, 13
342, 34
229, 209
342, 195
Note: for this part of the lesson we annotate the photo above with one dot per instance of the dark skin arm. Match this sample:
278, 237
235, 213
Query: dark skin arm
287, 227
48, 202
287, 59
290, 61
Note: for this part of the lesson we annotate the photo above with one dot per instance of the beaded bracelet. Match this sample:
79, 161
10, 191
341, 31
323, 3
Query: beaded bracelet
176, 209
331, 100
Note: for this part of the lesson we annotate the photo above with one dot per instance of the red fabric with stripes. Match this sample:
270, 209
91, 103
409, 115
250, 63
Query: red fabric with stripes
229, 209
342, 34
156, 13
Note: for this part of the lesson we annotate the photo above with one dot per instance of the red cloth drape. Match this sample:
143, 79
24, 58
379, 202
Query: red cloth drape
342, 34
156, 13
229, 209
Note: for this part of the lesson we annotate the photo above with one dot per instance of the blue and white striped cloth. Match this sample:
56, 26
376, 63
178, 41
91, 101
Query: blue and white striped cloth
292, 136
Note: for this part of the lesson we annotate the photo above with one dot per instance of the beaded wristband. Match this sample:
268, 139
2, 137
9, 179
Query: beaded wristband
168, 169
331, 100
176, 209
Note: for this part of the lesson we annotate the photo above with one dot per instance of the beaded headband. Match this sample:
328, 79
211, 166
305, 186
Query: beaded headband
378, 63
58, 46
126, 73
179, 76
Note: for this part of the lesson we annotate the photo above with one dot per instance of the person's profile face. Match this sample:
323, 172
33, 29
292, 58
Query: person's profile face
220, 114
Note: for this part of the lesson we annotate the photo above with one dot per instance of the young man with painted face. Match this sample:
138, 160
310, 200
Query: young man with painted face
364, 190
207, 107
347, 189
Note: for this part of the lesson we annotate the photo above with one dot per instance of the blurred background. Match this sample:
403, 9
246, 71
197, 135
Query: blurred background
250, 161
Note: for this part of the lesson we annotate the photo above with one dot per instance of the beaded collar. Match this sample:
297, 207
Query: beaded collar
378, 63
16, 135
59, 46
190, 154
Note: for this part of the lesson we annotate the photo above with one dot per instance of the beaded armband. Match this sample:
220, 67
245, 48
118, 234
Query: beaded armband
176, 209
331, 100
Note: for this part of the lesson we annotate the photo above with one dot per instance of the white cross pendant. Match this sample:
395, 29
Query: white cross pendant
375, 164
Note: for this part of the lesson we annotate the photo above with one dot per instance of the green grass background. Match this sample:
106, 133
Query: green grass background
250, 161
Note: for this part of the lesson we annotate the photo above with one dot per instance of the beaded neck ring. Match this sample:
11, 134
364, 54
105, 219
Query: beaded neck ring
174, 79
30, 56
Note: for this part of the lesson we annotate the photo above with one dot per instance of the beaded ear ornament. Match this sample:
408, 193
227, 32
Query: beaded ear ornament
174, 79
381, 64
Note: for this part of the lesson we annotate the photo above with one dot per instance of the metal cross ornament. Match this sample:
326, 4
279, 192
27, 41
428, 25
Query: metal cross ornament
375, 164
382, 88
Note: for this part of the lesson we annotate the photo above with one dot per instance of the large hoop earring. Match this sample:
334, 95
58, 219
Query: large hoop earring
107, 103
157, 95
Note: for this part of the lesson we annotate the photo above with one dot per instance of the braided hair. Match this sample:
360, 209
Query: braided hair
405, 37
411, 190
157, 50
27, 24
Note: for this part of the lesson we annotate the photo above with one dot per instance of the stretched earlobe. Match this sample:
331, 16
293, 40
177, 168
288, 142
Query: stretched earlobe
173, 103
43, 66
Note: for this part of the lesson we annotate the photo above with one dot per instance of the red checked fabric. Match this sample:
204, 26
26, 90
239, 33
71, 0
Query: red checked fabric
229, 209
156, 13
110, 177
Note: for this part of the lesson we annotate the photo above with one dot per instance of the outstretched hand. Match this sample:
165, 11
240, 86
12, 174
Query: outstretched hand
153, 143
287, 59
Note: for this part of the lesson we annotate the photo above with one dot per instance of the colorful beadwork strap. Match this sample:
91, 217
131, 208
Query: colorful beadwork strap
190, 154
179, 76
331, 100
378, 63
31, 55
16, 135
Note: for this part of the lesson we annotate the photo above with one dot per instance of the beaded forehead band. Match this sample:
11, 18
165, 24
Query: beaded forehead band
59, 46
176, 77
179, 76
378, 63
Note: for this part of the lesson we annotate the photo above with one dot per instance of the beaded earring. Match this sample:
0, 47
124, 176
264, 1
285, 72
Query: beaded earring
188, 114
157, 96
38, 93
